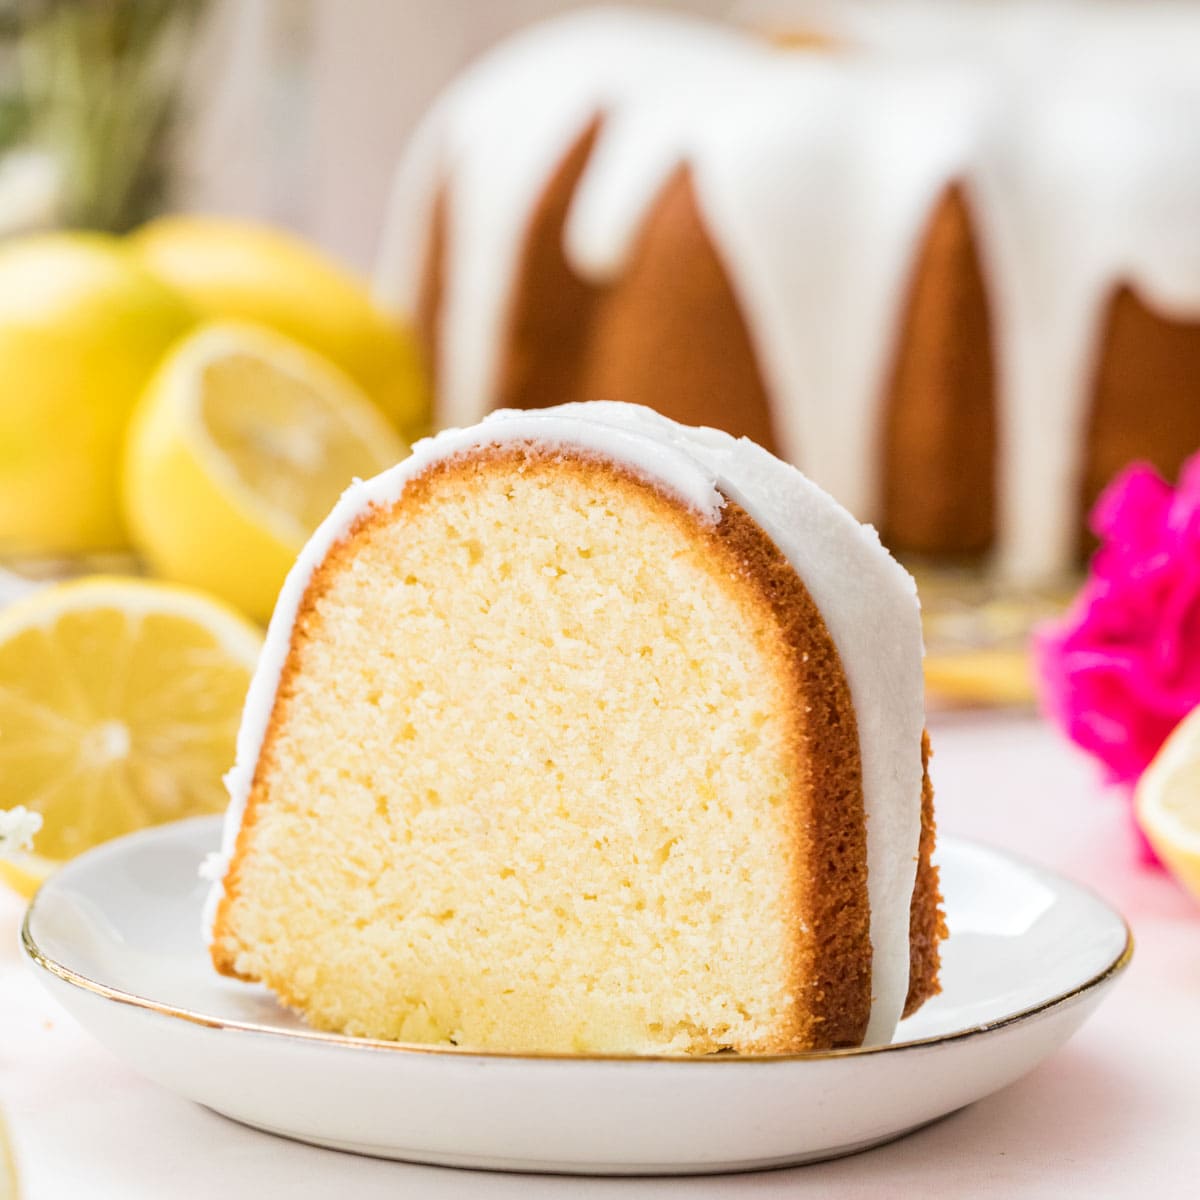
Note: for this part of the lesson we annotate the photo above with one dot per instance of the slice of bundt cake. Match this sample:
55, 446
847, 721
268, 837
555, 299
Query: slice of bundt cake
583, 731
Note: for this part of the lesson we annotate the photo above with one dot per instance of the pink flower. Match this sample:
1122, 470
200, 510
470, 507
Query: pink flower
1122, 668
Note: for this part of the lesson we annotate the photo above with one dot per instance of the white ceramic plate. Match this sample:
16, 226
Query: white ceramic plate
115, 936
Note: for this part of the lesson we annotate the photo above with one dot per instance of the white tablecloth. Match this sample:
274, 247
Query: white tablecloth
1114, 1114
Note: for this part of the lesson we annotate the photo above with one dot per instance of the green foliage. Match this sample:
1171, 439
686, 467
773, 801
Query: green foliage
96, 84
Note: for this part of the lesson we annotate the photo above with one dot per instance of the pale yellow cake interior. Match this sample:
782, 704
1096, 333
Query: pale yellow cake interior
529, 783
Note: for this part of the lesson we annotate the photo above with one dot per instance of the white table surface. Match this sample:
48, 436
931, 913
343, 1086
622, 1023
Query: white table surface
1114, 1114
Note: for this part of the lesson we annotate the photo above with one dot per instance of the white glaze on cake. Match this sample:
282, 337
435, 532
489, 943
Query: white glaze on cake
1081, 168
867, 600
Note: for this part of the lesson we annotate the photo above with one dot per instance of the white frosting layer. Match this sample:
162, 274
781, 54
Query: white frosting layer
816, 175
867, 600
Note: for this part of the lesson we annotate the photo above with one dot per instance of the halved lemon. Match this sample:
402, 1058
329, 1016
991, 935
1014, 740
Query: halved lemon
237, 270
1168, 802
119, 706
25, 874
242, 443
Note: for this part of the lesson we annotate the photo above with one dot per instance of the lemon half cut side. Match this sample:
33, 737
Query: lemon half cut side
120, 701
1168, 802
238, 270
240, 446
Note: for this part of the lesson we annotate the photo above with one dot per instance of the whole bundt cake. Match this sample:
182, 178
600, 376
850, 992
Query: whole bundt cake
945, 258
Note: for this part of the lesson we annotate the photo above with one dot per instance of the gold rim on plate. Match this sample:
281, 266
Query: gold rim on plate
39, 958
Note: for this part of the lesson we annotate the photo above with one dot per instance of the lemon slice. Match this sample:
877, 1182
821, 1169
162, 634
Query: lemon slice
119, 707
1168, 802
242, 443
25, 874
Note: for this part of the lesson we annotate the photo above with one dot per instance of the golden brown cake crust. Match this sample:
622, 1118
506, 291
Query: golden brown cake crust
832, 967
669, 332
428, 316
927, 923
1147, 396
939, 411
547, 343
941, 404
834, 984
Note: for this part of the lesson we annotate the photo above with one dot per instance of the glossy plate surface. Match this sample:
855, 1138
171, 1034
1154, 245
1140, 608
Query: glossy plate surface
115, 936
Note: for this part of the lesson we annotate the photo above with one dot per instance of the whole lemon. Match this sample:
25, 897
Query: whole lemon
236, 270
82, 327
